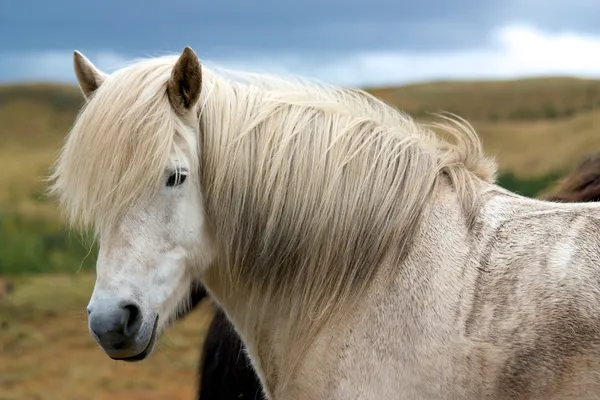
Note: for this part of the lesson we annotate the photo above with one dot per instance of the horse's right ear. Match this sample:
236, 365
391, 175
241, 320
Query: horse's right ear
88, 76
185, 82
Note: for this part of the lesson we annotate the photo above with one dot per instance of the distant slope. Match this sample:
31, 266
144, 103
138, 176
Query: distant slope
532, 126
58, 97
542, 146
515, 100
37, 114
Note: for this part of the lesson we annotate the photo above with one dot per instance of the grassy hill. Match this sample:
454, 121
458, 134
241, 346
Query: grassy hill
501, 100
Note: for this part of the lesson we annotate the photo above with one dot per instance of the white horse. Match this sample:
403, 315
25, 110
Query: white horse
358, 254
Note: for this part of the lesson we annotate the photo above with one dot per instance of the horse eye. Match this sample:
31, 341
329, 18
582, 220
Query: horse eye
176, 179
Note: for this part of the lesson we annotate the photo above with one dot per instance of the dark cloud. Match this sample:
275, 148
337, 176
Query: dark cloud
228, 26
579, 16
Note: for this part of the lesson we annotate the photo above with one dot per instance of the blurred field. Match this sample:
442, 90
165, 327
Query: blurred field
47, 353
533, 126
501, 100
537, 128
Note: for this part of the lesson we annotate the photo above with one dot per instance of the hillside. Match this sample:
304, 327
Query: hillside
42, 112
532, 126
502, 100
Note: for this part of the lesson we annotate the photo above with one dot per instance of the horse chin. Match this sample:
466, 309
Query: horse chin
147, 350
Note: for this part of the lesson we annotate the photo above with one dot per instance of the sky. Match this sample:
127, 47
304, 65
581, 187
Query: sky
346, 42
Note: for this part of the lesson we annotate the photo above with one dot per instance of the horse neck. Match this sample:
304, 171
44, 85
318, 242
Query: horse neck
270, 345
278, 290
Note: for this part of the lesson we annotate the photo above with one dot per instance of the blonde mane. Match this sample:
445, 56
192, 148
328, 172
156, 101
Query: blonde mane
307, 187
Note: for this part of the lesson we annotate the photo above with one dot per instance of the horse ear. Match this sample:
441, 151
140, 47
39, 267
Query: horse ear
184, 85
88, 76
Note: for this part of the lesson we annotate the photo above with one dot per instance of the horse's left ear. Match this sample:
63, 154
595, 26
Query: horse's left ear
88, 76
185, 83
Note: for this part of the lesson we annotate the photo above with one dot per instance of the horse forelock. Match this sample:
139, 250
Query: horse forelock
116, 151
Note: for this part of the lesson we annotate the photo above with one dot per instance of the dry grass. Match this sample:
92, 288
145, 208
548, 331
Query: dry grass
33, 122
46, 351
539, 147
514, 100
22, 173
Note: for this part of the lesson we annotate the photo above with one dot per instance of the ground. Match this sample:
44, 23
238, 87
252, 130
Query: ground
47, 353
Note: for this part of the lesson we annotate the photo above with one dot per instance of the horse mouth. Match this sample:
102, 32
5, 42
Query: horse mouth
147, 350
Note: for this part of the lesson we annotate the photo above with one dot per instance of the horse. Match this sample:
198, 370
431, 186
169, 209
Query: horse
357, 252
581, 185
225, 373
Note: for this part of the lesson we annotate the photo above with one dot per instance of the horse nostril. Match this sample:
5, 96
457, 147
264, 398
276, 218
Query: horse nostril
116, 325
133, 320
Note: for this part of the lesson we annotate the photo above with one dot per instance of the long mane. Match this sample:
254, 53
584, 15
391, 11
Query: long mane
307, 187
319, 186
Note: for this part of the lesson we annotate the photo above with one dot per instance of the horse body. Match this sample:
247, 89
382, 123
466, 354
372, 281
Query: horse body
510, 316
357, 254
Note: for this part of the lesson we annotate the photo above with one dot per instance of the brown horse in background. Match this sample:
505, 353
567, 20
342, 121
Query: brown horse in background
581, 185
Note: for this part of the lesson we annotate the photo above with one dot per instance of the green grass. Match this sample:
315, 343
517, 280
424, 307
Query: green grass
41, 245
530, 187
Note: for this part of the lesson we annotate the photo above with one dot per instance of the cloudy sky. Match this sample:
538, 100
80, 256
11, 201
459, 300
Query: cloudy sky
348, 42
